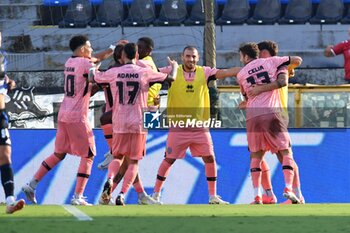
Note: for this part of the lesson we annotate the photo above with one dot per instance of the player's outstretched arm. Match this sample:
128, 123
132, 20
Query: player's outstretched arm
231, 72
328, 51
98, 57
282, 81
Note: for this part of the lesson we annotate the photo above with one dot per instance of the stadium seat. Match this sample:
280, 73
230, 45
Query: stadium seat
52, 11
346, 19
197, 16
110, 14
56, 2
297, 12
96, 2
78, 15
51, 15
173, 12
266, 12
141, 13
328, 12
234, 12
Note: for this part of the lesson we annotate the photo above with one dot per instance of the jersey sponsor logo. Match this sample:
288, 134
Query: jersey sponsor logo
190, 88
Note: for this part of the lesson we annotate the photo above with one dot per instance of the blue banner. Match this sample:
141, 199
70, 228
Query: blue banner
322, 156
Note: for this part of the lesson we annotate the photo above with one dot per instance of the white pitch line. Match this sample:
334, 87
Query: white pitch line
81, 216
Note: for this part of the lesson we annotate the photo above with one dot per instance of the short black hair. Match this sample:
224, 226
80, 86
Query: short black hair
189, 47
77, 41
251, 49
117, 54
270, 46
130, 50
148, 42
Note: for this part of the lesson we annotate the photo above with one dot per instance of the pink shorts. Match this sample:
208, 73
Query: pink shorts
75, 138
267, 133
132, 145
199, 142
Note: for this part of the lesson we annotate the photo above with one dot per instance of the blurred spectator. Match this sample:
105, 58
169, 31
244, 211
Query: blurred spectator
341, 48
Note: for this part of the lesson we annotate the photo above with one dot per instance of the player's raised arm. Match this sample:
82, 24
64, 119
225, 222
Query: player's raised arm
98, 57
224, 73
172, 75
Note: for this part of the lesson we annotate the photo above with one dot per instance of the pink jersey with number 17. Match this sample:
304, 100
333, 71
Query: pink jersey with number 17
259, 72
129, 85
77, 90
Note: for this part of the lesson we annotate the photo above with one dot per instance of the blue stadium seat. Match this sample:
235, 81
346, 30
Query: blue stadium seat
282, 1
96, 2
297, 12
141, 13
234, 12
173, 12
52, 11
56, 2
197, 16
78, 14
66, 2
190, 2
110, 14
328, 12
266, 12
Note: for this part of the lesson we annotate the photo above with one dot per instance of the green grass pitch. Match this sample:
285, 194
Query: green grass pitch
318, 218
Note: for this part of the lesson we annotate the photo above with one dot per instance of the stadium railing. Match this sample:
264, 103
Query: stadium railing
309, 106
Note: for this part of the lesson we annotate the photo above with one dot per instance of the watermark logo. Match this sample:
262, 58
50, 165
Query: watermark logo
151, 120
158, 120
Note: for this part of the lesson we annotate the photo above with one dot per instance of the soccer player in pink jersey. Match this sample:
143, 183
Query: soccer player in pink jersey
129, 84
74, 134
270, 49
190, 92
106, 125
106, 117
266, 128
